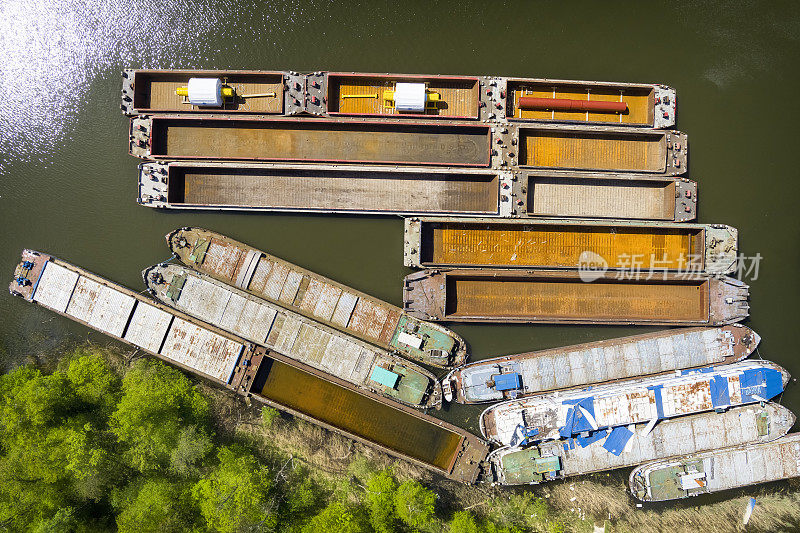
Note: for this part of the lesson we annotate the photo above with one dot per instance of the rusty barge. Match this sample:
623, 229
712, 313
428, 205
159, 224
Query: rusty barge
518, 376
631, 246
403, 142
685, 435
247, 369
613, 406
293, 335
717, 470
433, 191
574, 297
379, 96
316, 297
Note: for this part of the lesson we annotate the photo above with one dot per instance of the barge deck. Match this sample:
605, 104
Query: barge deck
310, 140
717, 470
249, 370
564, 244
612, 406
293, 335
518, 376
440, 97
569, 297
316, 297
669, 438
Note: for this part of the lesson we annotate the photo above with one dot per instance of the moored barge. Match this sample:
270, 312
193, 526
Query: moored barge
717, 470
669, 438
574, 297
517, 376
612, 406
250, 370
568, 244
376, 96
293, 335
432, 191
316, 297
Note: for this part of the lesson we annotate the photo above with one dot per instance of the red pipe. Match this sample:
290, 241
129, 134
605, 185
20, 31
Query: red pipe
563, 104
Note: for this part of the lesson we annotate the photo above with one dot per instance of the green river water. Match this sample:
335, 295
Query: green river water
68, 185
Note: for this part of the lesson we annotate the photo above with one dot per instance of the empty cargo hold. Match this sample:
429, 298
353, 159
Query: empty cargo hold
630, 246
265, 139
573, 297
603, 148
349, 189
643, 197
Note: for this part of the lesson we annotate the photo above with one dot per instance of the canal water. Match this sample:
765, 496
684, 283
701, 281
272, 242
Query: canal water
68, 186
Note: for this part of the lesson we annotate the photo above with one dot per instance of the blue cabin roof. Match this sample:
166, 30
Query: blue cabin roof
385, 377
510, 381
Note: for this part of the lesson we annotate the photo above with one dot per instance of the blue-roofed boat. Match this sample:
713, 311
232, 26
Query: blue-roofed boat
516, 376
614, 406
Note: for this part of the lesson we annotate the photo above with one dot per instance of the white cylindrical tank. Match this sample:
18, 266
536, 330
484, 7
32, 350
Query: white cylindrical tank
205, 92
409, 97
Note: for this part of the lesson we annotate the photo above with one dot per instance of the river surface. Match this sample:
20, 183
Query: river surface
68, 185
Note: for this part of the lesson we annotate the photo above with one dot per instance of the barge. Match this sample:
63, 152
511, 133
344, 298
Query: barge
378, 96
293, 335
249, 370
518, 376
567, 244
685, 435
717, 470
431, 191
316, 297
612, 406
574, 297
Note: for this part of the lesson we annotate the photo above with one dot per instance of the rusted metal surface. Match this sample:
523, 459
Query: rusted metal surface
669, 438
717, 470
263, 139
571, 297
633, 247
486, 98
635, 401
316, 297
151, 321
603, 361
291, 334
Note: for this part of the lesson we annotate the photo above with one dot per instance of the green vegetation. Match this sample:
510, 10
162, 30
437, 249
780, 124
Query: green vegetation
100, 445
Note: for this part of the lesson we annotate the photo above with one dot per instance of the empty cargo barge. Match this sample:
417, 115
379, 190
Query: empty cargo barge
316, 297
323, 188
433, 191
380, 96
717, 470
293, 335
250, 370
570, 297
310, 140
629, 246
613, 406
669, 438
521, 375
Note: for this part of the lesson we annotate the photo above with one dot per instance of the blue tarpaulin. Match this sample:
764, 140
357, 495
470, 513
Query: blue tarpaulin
594, 437
720, 396
576, 422
510, 381
617, 439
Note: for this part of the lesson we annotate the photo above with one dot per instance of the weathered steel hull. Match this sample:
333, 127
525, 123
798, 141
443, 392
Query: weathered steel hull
293, 335
717, 470
598, 362
316, 297
568, 297
669, 438
412, 191
367, 95
232, 362
567, 244
612, 406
